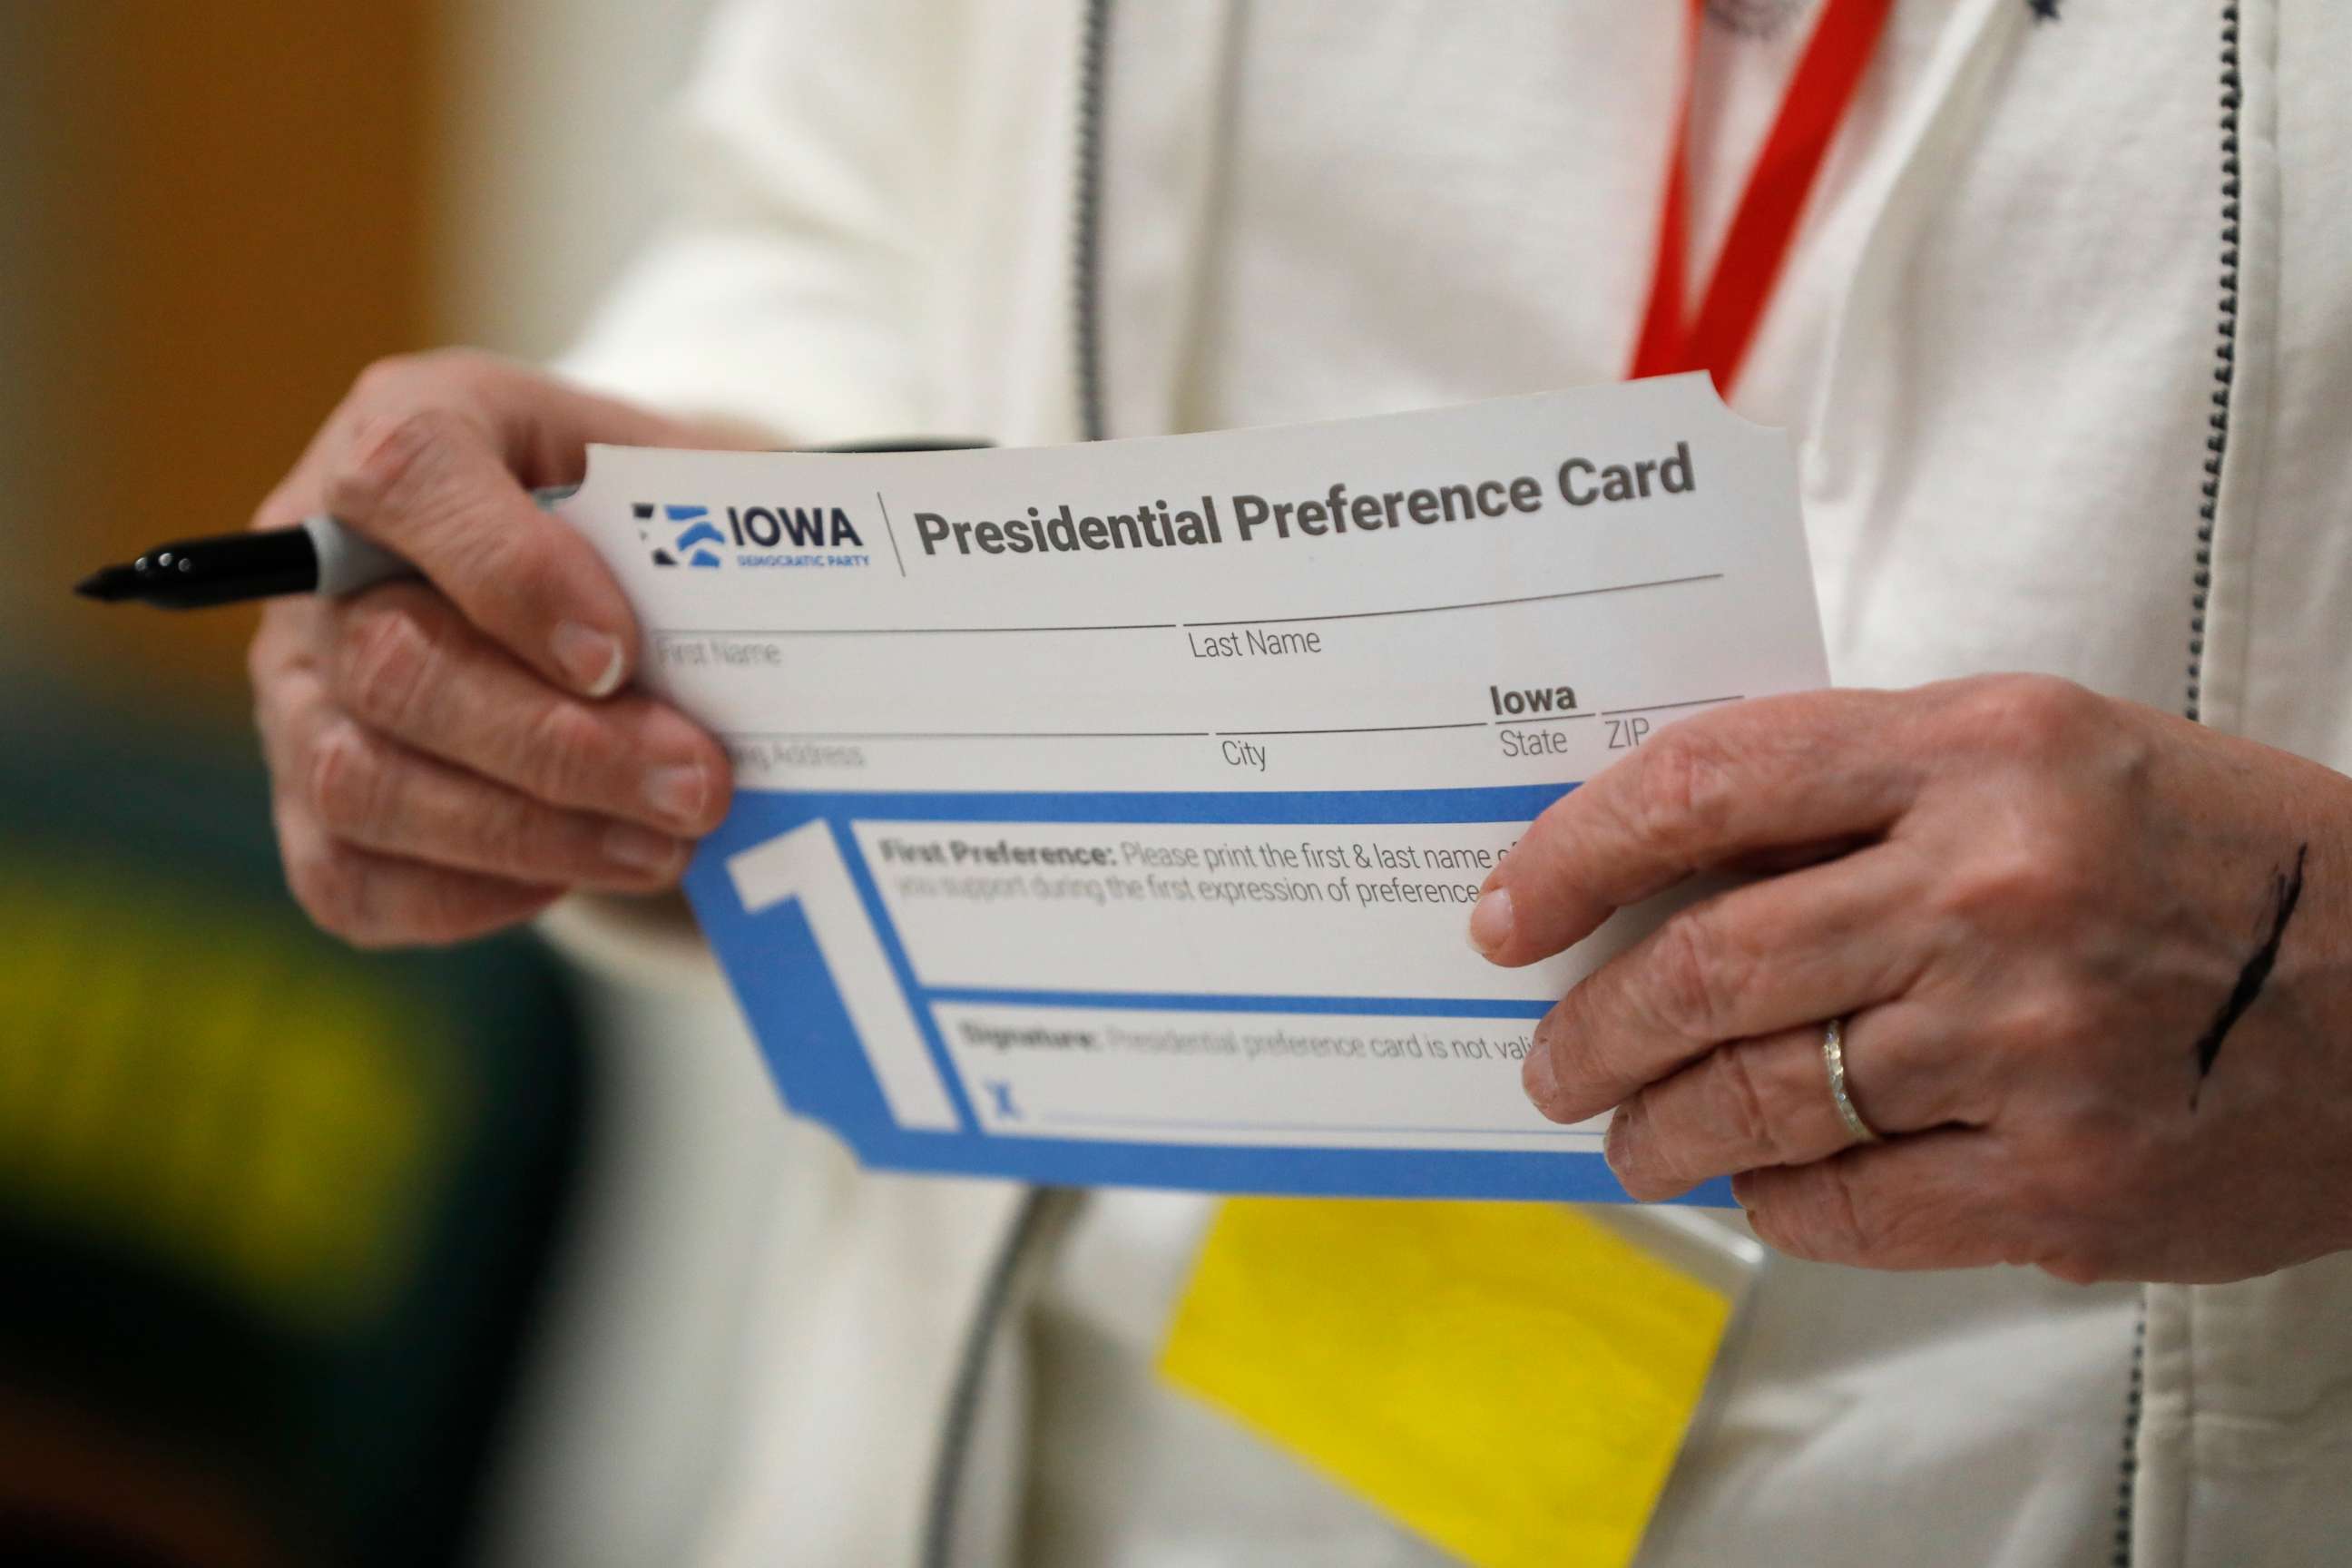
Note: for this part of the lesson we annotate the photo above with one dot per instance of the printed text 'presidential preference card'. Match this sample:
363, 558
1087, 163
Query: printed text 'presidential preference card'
1112, 814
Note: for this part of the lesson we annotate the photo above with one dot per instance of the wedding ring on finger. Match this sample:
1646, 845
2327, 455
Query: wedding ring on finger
1833, 1058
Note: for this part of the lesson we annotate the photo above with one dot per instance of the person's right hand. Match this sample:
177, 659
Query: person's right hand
449, 757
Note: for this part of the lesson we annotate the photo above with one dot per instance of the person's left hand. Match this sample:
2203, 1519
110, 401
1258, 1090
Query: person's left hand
2095, 964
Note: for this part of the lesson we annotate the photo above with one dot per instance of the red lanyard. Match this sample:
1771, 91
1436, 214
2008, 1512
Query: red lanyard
1756, 247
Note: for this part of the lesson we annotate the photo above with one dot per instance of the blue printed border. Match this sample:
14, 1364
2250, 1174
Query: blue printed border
781, 983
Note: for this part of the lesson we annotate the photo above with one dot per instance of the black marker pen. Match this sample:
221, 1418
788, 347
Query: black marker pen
320, 555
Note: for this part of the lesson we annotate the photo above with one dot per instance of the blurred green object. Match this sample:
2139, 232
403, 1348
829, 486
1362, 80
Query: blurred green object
274, 1215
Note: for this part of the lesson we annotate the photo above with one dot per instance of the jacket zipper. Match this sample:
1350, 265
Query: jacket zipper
2128, 1485
1040, 1208
1086, 256
2217, 448
2217, 445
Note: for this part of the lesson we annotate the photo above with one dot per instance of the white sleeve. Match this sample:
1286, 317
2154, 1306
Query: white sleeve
650, 943
782, 287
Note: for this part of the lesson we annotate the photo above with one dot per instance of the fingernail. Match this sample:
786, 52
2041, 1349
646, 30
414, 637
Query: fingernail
591, 660
1490, 921
1536, 1074
1619, 1143
641, 849
679, 793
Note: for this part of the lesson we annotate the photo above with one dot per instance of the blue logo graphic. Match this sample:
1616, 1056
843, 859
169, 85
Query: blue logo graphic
688, 535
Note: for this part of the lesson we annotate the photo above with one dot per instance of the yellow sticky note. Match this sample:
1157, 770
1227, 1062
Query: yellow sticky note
1510, 1381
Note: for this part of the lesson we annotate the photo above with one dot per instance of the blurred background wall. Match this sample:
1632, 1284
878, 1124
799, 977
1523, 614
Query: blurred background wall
221, 211
211, 216
226, 203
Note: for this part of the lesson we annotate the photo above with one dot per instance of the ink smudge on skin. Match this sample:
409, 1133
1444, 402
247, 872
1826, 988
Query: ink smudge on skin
2286, 891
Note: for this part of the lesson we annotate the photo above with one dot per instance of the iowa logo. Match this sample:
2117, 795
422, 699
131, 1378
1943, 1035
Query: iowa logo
679, 534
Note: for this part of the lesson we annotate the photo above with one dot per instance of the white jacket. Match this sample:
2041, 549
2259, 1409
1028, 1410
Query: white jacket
2067, 343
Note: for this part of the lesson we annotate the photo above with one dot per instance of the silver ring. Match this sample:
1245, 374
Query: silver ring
1833, 1057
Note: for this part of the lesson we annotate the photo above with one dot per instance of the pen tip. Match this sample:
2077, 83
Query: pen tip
108, 583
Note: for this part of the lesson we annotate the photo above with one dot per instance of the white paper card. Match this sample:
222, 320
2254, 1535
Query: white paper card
1112, 813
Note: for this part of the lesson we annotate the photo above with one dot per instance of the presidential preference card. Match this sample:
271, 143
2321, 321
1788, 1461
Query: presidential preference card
1113, 813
